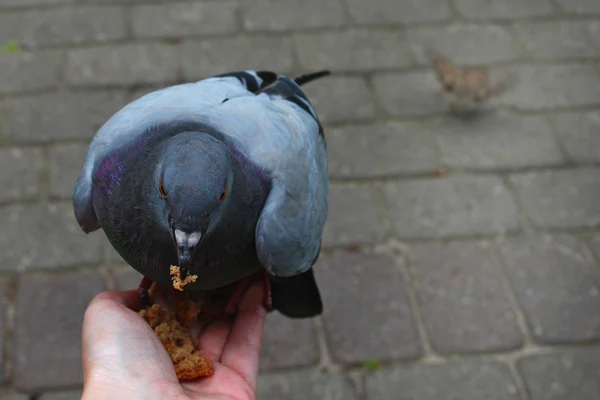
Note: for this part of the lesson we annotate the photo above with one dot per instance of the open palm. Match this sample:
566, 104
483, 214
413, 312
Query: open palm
123, 358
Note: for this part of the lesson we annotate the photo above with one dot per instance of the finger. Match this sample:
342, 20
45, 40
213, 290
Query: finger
117, 343
212, 340
242, 350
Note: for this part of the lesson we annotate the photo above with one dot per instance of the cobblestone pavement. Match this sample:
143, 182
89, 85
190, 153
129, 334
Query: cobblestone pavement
461, 256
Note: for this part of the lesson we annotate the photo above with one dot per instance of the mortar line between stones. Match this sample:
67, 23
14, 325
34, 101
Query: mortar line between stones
326, 359
403, 264
9, 304
520, 317
511, 364
528, 229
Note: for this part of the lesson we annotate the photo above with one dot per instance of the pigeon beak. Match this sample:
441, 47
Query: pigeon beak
186, 245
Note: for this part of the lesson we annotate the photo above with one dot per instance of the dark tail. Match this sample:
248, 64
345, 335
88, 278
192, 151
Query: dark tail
302, 79
297, 296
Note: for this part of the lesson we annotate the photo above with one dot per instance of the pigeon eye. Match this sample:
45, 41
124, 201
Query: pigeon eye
161, 190
223, 195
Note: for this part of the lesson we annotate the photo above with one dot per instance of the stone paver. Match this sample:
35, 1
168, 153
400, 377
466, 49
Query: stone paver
20, 172
65, 162
473, 205
72, 25
497, 141
557, 286
399, 11
460, 293
26, 71
367, 314
364, 151
57, 116
277, 15
182, 19
469, 44
351, 207
505, 9
562, 375
341, 99
355, 50
579, 133
561, 40
46, 236
56, 303
305, 385
537, 87
560, 199
410, 94
123, 64
204, 58
452, 381
288, 343
402, 169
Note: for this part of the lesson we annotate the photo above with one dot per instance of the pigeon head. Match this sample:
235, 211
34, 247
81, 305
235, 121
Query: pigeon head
193, 180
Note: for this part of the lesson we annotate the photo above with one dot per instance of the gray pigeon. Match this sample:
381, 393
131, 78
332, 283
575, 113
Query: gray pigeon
224, 177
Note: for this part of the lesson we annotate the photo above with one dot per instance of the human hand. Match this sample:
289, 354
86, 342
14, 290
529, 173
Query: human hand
123, 358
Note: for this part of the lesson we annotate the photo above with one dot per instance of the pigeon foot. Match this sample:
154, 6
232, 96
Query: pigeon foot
241, 288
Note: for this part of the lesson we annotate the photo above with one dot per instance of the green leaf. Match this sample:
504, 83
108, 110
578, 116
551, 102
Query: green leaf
371, 364
10, 47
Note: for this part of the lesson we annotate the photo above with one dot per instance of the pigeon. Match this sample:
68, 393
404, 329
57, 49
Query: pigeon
225, 177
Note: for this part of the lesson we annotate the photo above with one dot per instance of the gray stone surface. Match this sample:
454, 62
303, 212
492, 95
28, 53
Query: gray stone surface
460, 292
409, 94
399, 11
26, 72
3, 324
70, 395
46, 236
537, 87
49, 315
288, 343
341, 98
305, 385
365, 151
505, 9
277, 15
579, 134
557, 286
181, 19
367, 314
75, 25
124, 64
560, 199
585, 7
401, 168
354, 50
451, 381
127, 278
12, 395
560, 40
469, 44
57, 116
562, 375
351, 207
499, 140
65, 164
208, 57
473, 205
20, 173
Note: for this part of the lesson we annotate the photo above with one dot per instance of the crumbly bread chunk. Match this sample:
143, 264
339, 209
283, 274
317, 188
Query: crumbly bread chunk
175, 337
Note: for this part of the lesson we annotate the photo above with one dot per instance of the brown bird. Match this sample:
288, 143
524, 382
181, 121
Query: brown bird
467, 85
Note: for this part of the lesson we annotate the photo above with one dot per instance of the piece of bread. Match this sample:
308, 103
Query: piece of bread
177, 341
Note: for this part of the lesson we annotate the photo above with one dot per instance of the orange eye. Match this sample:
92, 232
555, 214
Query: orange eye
161, 189
223, 195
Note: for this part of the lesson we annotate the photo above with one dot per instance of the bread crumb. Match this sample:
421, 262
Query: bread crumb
188, 362
178, 283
